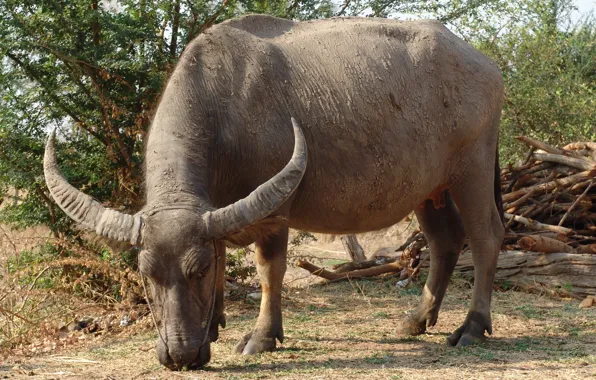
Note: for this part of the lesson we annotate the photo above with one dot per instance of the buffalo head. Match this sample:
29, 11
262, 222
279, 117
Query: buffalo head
179, 253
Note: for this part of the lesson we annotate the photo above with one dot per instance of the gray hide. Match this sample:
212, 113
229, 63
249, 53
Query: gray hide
396, 116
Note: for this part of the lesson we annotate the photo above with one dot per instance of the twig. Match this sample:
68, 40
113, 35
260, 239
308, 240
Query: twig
361, 273
37, 278
540, 145
575, 203
14, 247
323, 250
3, 310
578, 163
563, 182
521, 200
539, 226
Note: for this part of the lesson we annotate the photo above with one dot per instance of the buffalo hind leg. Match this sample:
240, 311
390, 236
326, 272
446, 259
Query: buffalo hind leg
475, 200
444, 232
271, 267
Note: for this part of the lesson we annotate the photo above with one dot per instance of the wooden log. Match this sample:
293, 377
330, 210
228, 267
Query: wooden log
575, 219
562, 182
361, 273
353, 248
540, 145
580, 145
570, 273
576, 202
588, 248
583, 205
578, 186
519, 202
538, 243
356, 265
534, 225
563, 170
578, 163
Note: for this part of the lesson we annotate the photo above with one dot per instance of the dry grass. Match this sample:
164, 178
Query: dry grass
346, 330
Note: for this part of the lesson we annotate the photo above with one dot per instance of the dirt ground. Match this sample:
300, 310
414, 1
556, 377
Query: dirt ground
346, 331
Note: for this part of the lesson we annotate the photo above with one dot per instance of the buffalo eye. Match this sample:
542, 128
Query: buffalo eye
196, 264
148, 266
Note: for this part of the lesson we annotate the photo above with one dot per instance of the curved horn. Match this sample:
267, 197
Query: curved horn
265, 199
85, 210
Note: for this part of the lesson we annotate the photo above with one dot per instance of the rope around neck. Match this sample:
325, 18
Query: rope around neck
211, 308
151, 310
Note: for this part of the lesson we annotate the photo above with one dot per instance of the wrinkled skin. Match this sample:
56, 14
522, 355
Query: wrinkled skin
186, 284
397, 116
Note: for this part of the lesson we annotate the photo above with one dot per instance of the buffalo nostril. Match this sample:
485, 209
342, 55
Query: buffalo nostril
178, 357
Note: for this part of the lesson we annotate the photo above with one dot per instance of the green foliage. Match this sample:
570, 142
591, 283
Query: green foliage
238, 267
23, 267
548, 67
94, 70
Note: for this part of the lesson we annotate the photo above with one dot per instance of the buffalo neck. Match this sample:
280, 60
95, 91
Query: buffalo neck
178, 146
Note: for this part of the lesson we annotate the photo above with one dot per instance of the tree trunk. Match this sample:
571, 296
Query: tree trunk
563, 273
353, 247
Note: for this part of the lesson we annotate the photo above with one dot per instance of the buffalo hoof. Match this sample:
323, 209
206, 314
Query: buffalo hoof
471, 332
252, 343
411, 326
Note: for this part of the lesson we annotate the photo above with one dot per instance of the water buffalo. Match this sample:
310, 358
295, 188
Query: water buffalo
388, 116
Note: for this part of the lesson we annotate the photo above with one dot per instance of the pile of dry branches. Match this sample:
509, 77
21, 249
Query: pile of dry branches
550, 209
550, 199
407, 264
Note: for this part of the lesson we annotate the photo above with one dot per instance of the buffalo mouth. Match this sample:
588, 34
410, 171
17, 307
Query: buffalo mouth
185, 357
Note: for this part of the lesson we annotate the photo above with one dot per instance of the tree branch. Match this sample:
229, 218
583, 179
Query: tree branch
33, 75
175, 26
344, 8
210, 20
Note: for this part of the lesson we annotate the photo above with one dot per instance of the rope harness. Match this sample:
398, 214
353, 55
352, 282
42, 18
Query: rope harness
196, 299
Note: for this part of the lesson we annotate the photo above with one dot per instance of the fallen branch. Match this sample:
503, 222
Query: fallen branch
589, 248
566, 274
578, 163
537, 243
576, 202
352, 247
563, 182
357, 265
580, 146
534, 225
393, 267
539, 145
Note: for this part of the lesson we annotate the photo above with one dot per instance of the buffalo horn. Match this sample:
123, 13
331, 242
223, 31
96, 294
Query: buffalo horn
265, 199
85, 210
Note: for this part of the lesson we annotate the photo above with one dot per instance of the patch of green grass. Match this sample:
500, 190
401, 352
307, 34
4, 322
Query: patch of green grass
574, 331
485, 354
529, 311
505, 285
378, 358
318, 309
477, 351
302, 317
523, 345
568, 287
380, 315
331, 262
410, 291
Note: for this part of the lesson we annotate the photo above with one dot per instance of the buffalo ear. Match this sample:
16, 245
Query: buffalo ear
256, 231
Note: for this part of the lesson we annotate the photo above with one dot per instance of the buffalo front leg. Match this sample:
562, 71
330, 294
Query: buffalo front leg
477, 206
444, 232
271, 267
